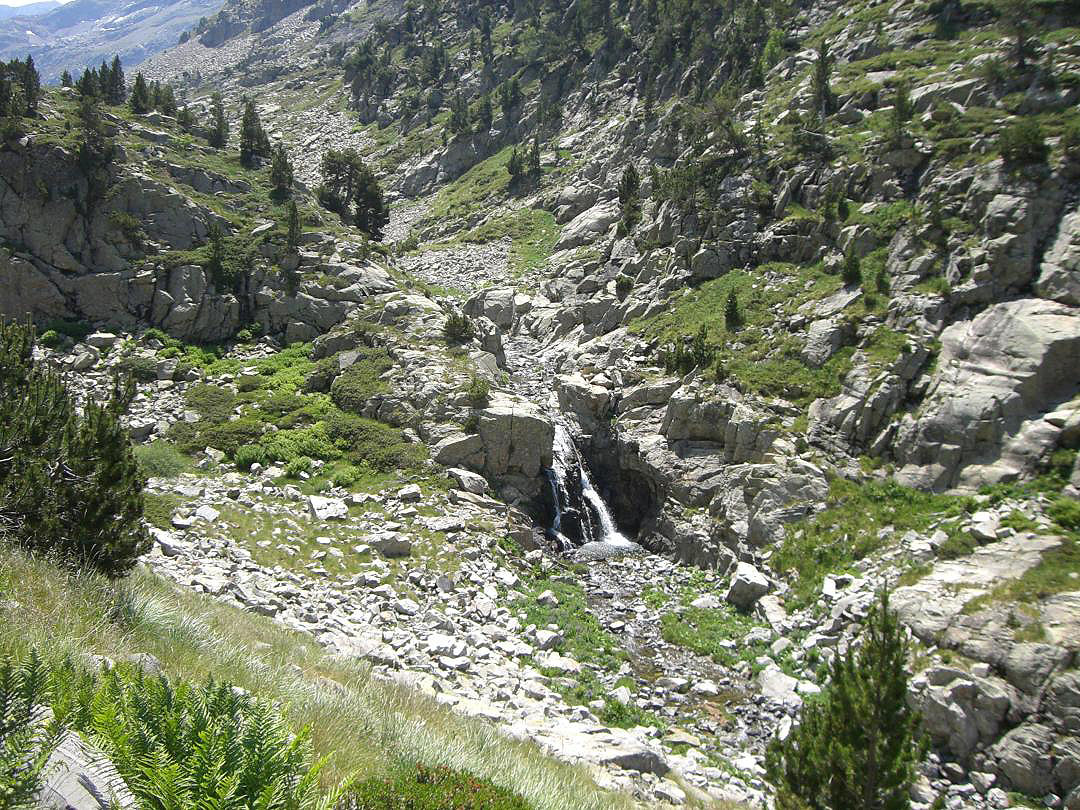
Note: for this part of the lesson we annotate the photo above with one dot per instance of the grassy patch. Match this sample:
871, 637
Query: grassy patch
158, 508
533, 234
585, 640
160, 459
482, 184
849, 530
716, 632
363, 726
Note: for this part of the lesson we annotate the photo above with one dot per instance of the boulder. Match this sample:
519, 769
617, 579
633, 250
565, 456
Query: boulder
1023, 758
748, 585
997, 375
78, 776
460, 449
496, 304
516, 436
589, 225
323, 508
589, 404
1059, 274
468, 481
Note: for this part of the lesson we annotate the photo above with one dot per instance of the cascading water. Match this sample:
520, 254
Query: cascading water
580, 512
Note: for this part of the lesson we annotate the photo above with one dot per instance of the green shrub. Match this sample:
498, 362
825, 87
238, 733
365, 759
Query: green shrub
213, 403
623, 285
160, 459
286, 446
852, 270
1066, 513
378, 445
76, 330
298, 467
477, 391
51, 339
1070, 141
458, 328
228, 436
140, 367
249, 454
69, 482
1023, 143
427, 788
354, 387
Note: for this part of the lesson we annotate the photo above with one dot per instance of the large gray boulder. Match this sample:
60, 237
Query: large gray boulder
589, 225
1059, 274
1023, 758
517, 438
998, 374
80, 777
747, 586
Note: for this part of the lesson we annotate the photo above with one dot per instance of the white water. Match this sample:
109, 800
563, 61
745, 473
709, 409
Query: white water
608, 533
565, 458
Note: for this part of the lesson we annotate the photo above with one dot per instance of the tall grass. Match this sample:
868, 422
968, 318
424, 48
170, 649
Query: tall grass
365, 726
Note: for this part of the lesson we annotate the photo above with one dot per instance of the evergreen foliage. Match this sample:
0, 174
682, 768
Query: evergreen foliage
484, 115
254, 143
293, 230
1016, 18
140, 96
66, 80
281, 170
20, 89
69, 482
350, 189
732, 315
852, 270
1023, 143
113, 87
824, 100
856, 747
458, 328
219, 126
459, 115
630, 197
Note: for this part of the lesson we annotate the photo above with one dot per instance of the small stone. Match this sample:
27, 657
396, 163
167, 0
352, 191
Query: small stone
409, 493
547, 599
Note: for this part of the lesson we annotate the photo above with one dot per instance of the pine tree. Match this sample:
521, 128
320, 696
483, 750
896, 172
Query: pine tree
371, 212
732, 316
281, 170
824, 101
292, 238
166, 101
459, 114
852, 270
185, 119
484, 116
1016, 19
253, 141
219, 126
116, 90
857, 747
31, 87
69, 483
88, 85
140, 96
516, 167
66, 80
630, 197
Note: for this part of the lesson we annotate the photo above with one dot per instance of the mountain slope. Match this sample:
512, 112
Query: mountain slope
85, 32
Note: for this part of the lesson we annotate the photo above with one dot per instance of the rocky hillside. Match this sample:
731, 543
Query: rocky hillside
86, 32
827, 341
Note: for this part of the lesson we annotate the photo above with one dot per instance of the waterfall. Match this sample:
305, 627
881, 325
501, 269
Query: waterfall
580, 512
